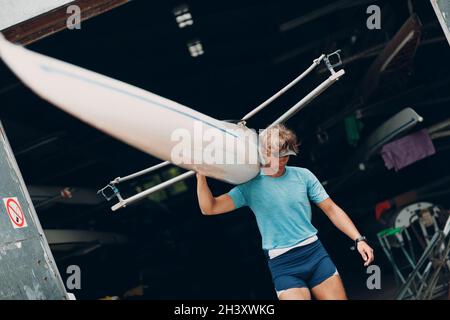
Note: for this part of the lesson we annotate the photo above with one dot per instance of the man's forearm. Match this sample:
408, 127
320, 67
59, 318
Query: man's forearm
343, 222
204, 194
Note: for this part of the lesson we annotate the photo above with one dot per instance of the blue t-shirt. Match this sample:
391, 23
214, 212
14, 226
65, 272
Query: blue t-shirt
281, 205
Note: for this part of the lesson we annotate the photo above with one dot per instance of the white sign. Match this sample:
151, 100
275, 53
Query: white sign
15, 213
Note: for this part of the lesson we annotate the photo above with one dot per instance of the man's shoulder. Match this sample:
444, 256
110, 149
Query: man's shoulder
254, 181
299, 170
304, 174
250, 182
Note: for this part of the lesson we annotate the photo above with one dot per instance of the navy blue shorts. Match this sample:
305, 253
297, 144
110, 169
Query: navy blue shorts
301, 267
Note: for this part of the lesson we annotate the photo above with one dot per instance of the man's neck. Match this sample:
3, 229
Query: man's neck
279, 173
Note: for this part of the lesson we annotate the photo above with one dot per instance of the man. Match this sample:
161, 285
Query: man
280, 199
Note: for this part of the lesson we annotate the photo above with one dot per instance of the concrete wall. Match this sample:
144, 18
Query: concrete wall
27, 268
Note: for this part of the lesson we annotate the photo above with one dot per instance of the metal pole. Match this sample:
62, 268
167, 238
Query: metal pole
125, 202
309, 97
425, 256
315, 63
435, 277
141, 173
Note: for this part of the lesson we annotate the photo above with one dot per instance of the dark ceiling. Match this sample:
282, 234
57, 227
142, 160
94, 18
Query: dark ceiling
251, 51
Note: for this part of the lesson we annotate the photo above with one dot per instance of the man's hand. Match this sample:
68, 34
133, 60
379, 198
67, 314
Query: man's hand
366, 252
199, 175
342, 221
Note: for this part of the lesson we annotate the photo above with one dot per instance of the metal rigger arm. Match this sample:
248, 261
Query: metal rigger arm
111, 191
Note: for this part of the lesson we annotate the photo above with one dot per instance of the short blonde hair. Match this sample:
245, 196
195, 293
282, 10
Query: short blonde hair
285, 139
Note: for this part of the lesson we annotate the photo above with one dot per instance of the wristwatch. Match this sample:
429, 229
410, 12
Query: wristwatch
360, 238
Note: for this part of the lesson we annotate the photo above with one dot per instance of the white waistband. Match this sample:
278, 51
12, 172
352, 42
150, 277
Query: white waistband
273, 253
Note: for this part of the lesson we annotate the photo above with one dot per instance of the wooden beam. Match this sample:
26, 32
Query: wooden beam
55, 20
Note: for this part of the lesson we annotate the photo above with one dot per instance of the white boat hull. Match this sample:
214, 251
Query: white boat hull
137, 117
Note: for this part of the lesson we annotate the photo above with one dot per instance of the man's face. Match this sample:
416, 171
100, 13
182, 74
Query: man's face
283, 161
275, 165
279, 162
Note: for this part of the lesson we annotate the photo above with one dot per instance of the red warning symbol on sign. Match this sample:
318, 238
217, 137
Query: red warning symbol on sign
15, 213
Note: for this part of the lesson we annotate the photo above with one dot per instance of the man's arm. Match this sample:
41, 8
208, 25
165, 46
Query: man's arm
343, 222
210, 205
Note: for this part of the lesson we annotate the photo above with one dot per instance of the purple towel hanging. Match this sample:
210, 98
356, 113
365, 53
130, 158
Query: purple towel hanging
407, 150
